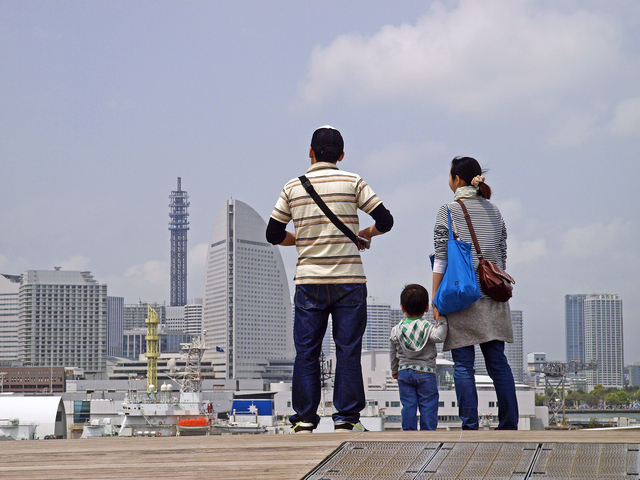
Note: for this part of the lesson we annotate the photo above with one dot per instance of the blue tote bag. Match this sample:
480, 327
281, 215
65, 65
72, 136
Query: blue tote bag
459, 286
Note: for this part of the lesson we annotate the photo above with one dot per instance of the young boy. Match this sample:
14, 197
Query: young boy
413, 359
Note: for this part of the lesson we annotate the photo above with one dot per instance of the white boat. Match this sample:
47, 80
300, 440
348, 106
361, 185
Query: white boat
154, 413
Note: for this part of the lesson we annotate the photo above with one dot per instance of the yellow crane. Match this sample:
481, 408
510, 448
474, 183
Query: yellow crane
153, 349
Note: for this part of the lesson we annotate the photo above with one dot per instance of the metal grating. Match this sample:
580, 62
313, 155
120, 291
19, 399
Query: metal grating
498, 461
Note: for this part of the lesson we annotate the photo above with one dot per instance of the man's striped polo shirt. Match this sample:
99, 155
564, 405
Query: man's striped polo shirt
325, 254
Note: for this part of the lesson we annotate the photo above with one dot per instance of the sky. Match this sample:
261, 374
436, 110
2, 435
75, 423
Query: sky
103, 104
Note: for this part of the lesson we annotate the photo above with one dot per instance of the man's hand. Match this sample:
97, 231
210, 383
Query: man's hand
394, 375
369, 232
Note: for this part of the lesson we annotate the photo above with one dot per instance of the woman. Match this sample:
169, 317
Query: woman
486, 322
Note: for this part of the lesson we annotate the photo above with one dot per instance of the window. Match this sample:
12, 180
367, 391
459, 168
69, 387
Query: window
453, 404
492, 404
440, 404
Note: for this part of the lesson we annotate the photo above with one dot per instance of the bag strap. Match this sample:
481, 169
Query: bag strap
327, 211
471, 230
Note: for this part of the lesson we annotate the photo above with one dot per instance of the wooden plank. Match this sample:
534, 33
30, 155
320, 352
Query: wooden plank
237, 457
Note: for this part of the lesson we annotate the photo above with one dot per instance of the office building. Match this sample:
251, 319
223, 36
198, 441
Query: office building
246, 311
174, 318
115, 326
634, 374
9, 288
62, 320
603, 340
135, 342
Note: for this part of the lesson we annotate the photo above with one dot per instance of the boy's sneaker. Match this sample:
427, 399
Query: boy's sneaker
302, 427
349, 427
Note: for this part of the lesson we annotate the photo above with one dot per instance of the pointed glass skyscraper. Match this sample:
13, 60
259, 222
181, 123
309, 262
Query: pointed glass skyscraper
246, 309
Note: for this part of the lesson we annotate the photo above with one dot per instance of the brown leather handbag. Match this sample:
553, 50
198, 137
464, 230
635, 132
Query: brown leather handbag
497, 283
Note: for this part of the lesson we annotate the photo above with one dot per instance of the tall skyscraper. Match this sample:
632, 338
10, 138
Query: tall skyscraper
246, 312
603, 340
9, 288
379, 324
115, 326
62, 320
178, 225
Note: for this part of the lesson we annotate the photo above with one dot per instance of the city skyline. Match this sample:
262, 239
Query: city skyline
105, 104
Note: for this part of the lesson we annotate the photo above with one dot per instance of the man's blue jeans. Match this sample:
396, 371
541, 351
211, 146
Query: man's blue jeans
418, 391
347, 305
499, 371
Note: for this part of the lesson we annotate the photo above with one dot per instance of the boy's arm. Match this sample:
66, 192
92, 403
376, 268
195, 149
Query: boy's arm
393, 359
438, 333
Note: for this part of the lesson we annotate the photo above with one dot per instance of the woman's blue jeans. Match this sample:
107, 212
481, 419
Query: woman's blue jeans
418, 391
499, 371
347, 305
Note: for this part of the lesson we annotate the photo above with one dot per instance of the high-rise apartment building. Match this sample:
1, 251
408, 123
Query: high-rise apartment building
62, 320
603, 340
246, 311
594, 334
9, 288
115, 326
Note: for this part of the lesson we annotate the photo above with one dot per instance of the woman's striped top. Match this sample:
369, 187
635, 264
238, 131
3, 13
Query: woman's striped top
325, 254
487, 223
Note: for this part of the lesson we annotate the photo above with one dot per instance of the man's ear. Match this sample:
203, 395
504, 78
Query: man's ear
312, 156
341, 157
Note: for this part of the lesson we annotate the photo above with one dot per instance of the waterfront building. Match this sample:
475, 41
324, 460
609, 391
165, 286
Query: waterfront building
603, 340
9, 289
62, 320
634, 374
246, 308
115, 326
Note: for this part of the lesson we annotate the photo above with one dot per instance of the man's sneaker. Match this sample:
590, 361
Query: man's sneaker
302, 427
349, 427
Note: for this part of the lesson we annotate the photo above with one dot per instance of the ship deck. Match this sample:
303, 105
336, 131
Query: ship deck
236, 457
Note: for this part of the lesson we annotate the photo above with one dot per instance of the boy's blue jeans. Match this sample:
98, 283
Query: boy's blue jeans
418, 391
499, 371
347, 304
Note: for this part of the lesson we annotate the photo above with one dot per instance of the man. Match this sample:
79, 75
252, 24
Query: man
329, 279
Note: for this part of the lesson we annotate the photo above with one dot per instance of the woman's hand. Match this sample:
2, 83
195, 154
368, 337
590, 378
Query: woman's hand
436, 313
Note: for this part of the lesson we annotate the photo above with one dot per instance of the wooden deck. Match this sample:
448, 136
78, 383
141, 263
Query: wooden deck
238, 457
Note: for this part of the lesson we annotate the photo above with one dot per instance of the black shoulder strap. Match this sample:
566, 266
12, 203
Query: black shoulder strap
327, 211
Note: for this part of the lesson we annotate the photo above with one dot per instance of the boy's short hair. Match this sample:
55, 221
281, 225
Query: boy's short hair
327, 144
414, 299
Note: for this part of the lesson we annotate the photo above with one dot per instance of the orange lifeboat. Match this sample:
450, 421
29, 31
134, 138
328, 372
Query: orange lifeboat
194, 422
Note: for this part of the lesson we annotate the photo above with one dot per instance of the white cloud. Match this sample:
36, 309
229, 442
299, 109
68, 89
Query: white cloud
148, 281
476, 57
594, 240
626, 120
527, 251
77, 262
402, 156
511, 209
